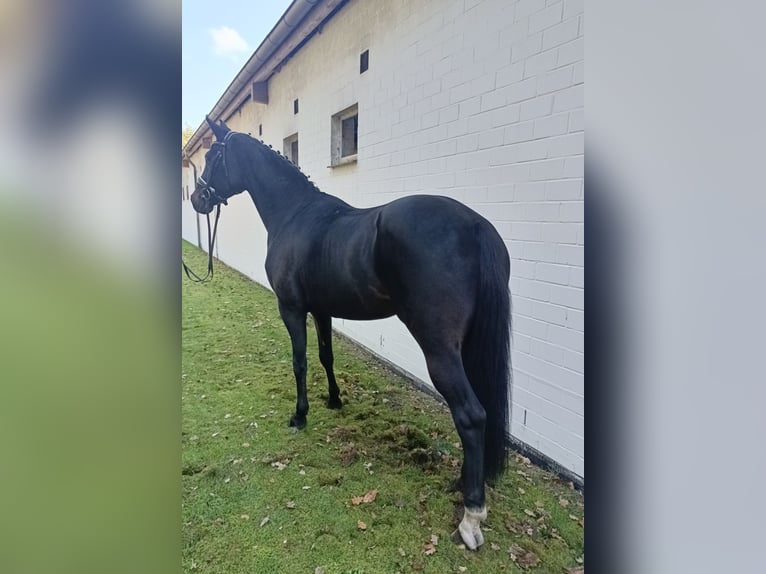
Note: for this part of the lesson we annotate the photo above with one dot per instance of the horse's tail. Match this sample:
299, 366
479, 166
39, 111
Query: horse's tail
486, 348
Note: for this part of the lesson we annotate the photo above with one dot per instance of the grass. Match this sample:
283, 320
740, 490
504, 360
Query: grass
242, 464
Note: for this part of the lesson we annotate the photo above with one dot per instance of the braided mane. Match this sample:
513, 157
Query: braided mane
285, 161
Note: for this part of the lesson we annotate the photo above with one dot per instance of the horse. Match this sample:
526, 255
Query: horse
437, 265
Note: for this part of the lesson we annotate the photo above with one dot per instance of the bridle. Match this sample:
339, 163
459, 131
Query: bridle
208, 193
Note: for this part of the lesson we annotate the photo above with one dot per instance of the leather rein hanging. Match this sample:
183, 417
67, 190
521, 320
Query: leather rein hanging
209, 193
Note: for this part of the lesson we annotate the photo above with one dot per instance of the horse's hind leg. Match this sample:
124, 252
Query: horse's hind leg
295, 321
445, 367
324, 336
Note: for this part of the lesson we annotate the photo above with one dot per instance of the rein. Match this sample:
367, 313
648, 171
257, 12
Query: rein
211, 242
211, 194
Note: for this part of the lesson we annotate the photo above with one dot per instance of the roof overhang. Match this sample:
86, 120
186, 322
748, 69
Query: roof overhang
301, 20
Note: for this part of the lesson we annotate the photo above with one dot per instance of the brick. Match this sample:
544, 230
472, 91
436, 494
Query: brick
555, 80
528, 151
577, 277
571, 52
545, 18
552, 273
493, 99
576, 121
530, 326
519, 132
566, 145
448, 114
469, 107
575, 319
525, 8
573, 360
491, 138
540, 63
538, 107
551, 126
574, 167
526, 192
521, 91
569, 99
546, 169
549, 313
573, 211
579, 73
563, 190
573, 8
542, 211
567, 296
509, 74
561, 33
526, 48
560, 233
529, 232
467, 143
567, 338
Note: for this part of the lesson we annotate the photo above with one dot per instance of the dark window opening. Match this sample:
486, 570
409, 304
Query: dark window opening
295, 107
364, 61
260, 129
349, 129
290, 148
207, 141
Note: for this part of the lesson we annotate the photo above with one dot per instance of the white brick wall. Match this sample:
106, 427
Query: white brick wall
479, 100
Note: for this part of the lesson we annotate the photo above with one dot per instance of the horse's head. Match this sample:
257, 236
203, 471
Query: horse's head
216, 184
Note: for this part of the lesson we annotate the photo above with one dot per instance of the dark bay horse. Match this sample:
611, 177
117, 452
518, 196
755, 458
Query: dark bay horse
431, 261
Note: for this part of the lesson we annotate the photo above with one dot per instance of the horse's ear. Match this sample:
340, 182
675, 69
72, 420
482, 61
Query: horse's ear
225, 127
219, 130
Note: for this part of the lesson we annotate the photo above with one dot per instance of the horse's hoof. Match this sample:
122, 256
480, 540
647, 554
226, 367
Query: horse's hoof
470, 527
297, 422
334, 403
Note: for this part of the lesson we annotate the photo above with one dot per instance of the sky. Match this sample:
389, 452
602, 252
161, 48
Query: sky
218, 38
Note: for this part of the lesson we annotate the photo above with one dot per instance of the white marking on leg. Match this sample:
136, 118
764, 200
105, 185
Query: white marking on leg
470, 527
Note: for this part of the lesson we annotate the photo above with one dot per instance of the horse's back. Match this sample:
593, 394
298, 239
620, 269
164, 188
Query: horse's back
428, 253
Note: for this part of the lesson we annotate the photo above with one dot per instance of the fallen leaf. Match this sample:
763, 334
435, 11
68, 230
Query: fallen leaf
357, 500
494, 546
434, 539
462, 568
522, 491
305, 487
370, 496
528, 560
429, 549
318, 570
402, 552
530, 513
290, 504
361, 525
264, 520
563, 502
245, 517
278, 465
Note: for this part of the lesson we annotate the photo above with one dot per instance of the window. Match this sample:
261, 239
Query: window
295, 106
207, 141
345, 138
364, 61
290, 148
260, 129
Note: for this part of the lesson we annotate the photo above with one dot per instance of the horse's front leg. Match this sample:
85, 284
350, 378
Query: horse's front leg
295, 321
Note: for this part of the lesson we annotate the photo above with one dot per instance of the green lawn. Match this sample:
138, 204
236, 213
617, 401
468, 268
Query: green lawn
258, 498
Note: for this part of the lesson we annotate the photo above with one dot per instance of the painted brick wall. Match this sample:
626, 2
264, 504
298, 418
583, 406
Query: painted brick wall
477, 100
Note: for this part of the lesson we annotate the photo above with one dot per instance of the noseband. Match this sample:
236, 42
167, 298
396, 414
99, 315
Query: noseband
208, 193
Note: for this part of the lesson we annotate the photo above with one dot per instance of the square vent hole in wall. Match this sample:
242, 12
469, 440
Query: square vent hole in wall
345, 136
290, 148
